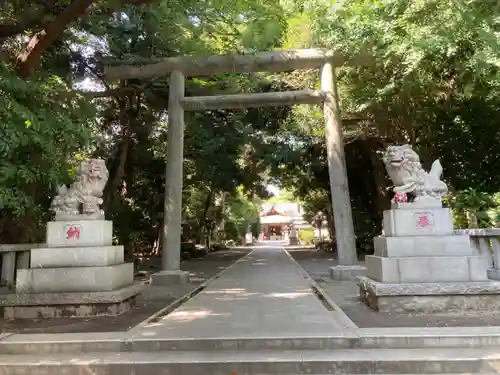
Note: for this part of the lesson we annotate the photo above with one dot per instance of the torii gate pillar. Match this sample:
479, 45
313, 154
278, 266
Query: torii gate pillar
341, 200
171, 272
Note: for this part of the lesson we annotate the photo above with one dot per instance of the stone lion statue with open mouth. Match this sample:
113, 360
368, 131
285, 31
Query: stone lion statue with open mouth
406, 172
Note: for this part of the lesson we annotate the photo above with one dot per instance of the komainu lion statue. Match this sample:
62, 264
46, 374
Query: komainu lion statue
406, 172
82, 200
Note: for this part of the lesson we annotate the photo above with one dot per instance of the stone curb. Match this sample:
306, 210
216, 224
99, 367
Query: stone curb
340, 317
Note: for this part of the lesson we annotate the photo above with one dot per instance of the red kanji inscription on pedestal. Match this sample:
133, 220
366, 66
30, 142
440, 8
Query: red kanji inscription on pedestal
423, 221
72, 233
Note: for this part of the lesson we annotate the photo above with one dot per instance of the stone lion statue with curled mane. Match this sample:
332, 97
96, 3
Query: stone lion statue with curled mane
82, 200
406, 172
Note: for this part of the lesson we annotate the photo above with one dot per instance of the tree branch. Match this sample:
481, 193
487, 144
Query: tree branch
29, 58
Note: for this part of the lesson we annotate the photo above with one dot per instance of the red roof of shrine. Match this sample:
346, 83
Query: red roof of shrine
272, 212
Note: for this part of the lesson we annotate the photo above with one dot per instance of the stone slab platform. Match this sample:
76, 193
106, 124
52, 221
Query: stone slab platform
430, 297
264, 294
422, 246
99, 256
375, 338
80, 233
75, 279
52, 305
406, 222
435, 269
347, 272
347, 361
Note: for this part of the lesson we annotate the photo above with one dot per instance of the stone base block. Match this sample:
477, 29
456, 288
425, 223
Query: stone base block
169, 277
347, 272
64, 305
80, 233
292, 241
430, 297
422, 246
426, 269
493, 274
74, 279
418, 222
76, 256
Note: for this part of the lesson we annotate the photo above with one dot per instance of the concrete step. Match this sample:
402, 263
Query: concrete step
263, 362
430, 337
85, 344
126, 342
394, 341
265, 343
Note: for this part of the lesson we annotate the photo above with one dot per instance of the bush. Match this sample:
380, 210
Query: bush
473, 209
218, 246
306, 236
189, 250
231, 231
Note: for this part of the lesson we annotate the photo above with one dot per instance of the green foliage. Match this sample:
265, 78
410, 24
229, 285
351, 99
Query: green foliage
240, 214
285, 196
40, 132
435, 78
306, 236
472, 208
231, 231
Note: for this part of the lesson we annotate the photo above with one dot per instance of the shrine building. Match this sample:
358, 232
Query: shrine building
280, 221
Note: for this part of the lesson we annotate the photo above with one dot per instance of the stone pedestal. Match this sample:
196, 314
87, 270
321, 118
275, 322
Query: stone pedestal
80, 273
340, 272
248, 238
421, 265
293, 238
167, 278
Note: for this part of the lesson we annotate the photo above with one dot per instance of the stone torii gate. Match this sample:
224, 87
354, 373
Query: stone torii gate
277, 61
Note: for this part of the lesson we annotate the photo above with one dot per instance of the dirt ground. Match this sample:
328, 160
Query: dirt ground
345, 295
150, 302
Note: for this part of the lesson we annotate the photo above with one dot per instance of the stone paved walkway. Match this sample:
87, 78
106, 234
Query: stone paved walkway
264, 294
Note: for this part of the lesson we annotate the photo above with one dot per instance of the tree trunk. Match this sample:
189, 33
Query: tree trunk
118, 169
29, 58
382, 199
205, 228
329, 218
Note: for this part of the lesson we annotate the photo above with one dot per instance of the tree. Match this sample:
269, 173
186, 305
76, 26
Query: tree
241, 213
40, 137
